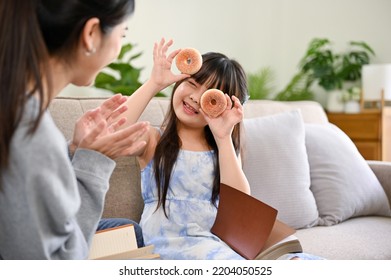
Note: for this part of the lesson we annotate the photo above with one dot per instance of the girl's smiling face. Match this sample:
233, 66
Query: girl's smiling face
186, 103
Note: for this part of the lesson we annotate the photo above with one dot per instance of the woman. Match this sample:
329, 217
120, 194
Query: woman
50, 206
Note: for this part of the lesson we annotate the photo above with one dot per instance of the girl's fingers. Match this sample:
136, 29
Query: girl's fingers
161, 44
155, 48
229, 102
237, 103
181, 77
173, 54
166, 46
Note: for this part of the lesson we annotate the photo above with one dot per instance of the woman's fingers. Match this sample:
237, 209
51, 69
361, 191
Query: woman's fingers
116, 125
124, 142
132, 133
90, 137
113, 117
112, 104
128, 146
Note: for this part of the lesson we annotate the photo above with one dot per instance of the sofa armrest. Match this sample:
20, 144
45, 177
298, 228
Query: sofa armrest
382, 171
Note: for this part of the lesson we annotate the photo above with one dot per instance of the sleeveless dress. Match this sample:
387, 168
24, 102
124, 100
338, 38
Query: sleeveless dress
185, 234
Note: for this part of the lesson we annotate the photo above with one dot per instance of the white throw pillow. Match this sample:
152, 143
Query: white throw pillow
276, 165
342, 182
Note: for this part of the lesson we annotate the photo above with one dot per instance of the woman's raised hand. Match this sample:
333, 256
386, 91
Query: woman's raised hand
99, 130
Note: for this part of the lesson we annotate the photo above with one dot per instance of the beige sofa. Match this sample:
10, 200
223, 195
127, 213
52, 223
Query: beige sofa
356, 236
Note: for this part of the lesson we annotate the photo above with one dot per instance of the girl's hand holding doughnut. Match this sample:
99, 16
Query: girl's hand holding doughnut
223, 125
161, 75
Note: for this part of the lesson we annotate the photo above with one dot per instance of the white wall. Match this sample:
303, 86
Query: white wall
259, 33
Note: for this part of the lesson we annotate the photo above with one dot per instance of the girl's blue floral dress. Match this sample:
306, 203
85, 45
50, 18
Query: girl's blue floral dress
185, 234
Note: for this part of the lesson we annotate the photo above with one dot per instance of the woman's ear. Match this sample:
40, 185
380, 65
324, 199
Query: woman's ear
90, 36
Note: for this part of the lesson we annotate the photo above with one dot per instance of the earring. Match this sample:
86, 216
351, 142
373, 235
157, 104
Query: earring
90, 52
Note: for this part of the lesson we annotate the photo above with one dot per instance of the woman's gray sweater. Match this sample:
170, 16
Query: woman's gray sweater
49, 205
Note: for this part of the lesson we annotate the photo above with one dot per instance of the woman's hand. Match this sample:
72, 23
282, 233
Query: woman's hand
114, 144
161, 74
98, 130
109, 110
223, 125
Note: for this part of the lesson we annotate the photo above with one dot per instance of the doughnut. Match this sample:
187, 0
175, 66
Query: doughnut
188, 61
213, 102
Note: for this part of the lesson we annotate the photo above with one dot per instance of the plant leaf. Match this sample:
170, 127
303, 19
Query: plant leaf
127, 80
260, 83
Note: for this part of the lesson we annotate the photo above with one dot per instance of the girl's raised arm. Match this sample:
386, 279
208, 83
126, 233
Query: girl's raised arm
231, 172
161, 77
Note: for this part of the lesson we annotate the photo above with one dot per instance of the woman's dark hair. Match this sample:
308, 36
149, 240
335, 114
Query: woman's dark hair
62, 22
30, 32
217, 71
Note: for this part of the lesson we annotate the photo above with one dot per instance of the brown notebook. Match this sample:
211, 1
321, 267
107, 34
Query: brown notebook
281, 241
248, 225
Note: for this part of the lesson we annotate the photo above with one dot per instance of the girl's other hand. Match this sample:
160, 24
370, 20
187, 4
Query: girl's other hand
223, 125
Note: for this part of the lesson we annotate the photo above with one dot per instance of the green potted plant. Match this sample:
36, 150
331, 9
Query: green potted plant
331, 71
297, 89
351, 98
334, 72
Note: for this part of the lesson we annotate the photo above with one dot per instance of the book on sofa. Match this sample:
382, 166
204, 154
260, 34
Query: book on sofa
119, 243
251, 228
280, 241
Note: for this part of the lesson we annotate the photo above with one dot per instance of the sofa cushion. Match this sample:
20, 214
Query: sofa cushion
311, 111
360, 238
276, 165
342, 182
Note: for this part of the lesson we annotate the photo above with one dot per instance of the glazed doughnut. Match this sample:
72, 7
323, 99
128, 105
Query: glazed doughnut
188, 61
213, 102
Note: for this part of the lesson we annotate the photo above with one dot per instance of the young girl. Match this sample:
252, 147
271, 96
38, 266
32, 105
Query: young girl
50, 206
185, 161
